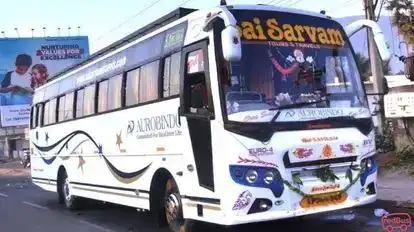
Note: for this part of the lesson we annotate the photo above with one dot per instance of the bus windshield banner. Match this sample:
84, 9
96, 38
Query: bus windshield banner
288, 30
26, 64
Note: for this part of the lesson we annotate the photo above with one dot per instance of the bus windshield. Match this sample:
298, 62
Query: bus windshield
289, 59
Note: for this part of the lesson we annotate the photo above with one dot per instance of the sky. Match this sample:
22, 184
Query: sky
106, 21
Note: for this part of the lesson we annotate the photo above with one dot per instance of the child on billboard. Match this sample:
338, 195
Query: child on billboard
39, 75
18, 82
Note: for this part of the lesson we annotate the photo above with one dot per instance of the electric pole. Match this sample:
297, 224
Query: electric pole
376, 64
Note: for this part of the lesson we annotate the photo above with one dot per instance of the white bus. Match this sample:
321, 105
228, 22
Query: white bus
225, 115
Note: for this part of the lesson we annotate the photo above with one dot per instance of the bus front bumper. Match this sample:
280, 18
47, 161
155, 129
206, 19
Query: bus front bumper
277, 215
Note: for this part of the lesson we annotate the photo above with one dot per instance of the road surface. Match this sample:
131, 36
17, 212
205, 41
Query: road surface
25, 207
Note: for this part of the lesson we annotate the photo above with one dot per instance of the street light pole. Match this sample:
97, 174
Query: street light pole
376, 64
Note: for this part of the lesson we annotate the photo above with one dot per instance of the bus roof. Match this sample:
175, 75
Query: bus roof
277, 8
172, 16
167, 19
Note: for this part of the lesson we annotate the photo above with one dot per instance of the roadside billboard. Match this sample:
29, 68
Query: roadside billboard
26, 64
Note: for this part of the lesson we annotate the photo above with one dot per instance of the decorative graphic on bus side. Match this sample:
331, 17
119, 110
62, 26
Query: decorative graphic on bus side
327, 151
258, 162
124, 177
243, 200
347, 148
302, 153
119, 142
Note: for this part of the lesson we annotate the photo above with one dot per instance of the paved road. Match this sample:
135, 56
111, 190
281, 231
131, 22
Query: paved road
25, 207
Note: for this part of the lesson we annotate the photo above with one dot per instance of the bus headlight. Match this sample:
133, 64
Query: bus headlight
370, 168
258, 177
269, 177
369, 163
251, 176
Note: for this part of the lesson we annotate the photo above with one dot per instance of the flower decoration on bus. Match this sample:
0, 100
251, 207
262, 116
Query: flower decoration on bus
327, 151
302, 153
347, 148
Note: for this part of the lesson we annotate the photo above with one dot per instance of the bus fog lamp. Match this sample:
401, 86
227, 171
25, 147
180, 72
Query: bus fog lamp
251, 176
269, 177
264, 206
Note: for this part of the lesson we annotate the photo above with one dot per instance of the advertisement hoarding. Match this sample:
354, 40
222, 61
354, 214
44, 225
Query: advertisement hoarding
26, 64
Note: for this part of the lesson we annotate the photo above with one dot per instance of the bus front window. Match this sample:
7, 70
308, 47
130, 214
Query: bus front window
280, 73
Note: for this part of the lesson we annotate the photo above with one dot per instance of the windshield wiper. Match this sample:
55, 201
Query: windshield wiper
292, 106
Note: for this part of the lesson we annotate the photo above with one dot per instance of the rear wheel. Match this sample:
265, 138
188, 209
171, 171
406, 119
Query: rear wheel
65, 194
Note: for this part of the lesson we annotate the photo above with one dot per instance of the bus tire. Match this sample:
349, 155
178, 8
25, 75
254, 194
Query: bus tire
70, 200
173, 208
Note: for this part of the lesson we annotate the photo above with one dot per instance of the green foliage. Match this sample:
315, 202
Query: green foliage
404, 153
326, 174
364, 66
403, 18
296, 179
385, 141
351, 168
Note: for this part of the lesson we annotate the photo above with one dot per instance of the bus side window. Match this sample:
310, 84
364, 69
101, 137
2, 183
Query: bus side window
171, 77
79, 103
33, 117
115, 92
52, 111
132, 87
89, 100
195, 84
103, 96
69, 106
61, 108
46, 113
39, 115
148, 82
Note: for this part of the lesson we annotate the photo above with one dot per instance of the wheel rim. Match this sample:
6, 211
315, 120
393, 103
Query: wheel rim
66, 190
172, 209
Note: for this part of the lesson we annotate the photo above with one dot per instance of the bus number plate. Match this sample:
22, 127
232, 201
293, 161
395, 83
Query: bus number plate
323, 199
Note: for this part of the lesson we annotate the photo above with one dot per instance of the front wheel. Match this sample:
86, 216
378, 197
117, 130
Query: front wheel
173, 208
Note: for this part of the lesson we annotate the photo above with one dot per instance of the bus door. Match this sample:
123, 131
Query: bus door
197, 108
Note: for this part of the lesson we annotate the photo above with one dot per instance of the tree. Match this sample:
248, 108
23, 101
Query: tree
364, 66
403, 18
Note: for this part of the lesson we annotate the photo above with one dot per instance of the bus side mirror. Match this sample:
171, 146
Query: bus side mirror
382, 46
231, 44
230, 39
379, 38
